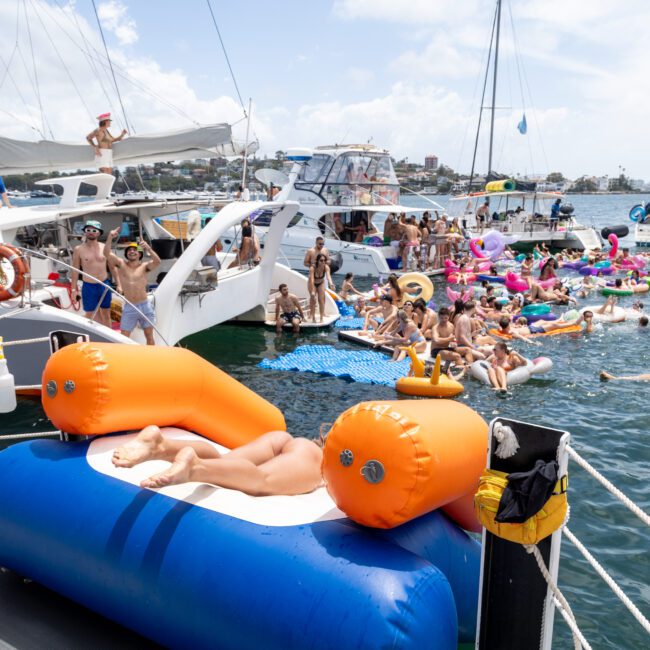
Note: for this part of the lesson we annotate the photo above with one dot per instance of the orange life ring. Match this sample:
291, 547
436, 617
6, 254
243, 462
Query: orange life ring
13, 256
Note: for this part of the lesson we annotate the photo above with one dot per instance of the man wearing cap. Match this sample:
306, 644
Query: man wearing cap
89, 258
102, 143
132, 276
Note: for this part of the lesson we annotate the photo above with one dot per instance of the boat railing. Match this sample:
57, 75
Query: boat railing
558, 600
40, 255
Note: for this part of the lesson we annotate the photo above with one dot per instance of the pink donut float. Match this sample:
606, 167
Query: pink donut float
515, 283
466, 295
452, 278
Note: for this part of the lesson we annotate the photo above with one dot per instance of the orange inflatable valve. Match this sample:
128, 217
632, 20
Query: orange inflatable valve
386, 463
96, 388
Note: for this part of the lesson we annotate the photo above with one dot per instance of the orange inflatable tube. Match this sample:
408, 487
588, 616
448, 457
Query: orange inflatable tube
386, 463
571, 329
96, 388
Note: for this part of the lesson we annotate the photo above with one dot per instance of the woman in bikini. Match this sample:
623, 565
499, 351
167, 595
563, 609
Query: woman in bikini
318, 277
408, 335
502, 361
102, 143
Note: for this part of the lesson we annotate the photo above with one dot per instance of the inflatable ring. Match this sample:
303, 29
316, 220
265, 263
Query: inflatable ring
613, 240
535, 309
637, 212
17, 261
418, 279
520, 375
515, 283
611, 291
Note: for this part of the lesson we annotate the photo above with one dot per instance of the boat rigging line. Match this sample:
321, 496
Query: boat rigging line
110, 63
225, 53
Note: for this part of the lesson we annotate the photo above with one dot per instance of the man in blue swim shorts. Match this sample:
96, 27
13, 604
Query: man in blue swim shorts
95, 291
132, 276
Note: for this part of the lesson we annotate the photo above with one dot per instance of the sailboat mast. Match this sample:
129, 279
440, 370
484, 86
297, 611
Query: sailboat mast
494, 84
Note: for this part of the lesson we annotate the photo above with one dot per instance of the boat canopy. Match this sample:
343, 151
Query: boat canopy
19, 157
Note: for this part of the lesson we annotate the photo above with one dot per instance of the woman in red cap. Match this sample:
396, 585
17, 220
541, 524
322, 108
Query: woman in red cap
102, 142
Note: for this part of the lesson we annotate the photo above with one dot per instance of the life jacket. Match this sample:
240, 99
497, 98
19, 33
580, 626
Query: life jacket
544, 522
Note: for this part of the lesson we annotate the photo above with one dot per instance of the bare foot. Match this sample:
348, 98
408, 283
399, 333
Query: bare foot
146, 446
179, 472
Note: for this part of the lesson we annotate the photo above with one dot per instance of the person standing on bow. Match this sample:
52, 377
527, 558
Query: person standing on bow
102, 143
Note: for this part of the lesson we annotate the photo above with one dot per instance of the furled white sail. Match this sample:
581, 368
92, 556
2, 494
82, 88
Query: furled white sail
20, 157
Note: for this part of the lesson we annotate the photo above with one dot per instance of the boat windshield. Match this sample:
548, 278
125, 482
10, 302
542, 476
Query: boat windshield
315, 171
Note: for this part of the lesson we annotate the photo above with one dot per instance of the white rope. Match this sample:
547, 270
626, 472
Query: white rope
30, 387
24, 436
645, 623
643, 516
41, 339
579, 640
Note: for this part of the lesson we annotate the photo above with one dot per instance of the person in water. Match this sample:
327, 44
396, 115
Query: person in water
605, 376
502, 361
274, 463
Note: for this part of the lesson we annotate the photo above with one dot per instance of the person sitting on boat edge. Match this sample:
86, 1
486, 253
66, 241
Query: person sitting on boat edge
132, 275
88, 258
4, 195
287, 310
275, 463
102, 143
210, 258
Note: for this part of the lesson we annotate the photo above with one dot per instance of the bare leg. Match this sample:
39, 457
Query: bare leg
294, 470
502, 378
105, 316
125, 333
492, 376
295, 322
148, 335
321, 301
150, 444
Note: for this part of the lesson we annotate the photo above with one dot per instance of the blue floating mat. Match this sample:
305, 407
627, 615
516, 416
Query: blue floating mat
364, 366
350, 323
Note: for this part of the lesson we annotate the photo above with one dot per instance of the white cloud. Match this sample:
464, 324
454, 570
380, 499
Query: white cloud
114, 16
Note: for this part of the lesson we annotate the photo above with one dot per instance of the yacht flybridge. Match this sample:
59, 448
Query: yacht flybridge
526, 215
345, 193
186, 295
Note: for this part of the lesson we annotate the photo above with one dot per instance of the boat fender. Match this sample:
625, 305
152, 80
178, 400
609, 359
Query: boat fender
385, 463
98, 388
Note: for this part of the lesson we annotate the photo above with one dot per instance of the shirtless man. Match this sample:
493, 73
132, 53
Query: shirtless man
274, 463
411, 237
522, 329
482, 215
102, 143
463, 333
440, 241
386, 311
88, 257
317, 249
132, 274
287, 310
443, 339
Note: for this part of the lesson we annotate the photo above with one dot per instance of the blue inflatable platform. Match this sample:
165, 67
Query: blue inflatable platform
210, 567
364, 366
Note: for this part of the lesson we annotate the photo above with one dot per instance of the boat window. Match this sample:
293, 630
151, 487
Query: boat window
315, 170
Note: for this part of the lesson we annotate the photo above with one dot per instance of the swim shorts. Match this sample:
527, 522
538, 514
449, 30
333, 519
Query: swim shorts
131, 317
536, 329
92, 293
436, 351
105, 158
288, 316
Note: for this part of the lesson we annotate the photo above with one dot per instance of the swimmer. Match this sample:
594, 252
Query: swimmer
274, 463
347, 288
605, 376
502, 361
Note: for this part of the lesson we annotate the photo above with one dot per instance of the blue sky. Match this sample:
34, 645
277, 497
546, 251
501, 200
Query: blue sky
403, 72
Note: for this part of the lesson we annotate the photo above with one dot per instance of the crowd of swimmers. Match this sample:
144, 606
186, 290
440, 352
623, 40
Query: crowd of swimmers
470, 330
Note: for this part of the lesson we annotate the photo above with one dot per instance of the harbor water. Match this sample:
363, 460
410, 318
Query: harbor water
608, 422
